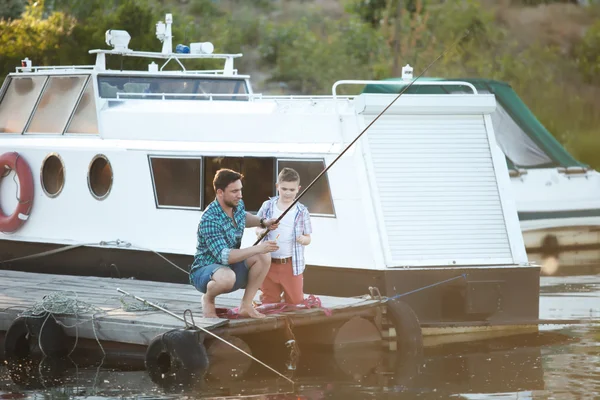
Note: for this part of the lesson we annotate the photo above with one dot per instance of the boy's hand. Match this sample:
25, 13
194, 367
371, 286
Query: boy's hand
260, 232
303, 240
268, 247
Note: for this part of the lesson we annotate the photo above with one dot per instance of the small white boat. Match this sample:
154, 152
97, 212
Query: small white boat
120, 167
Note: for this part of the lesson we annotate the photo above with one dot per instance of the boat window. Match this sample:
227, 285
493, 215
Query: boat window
18, 102
56, 104
100, 177
177, 182
514, 142
259, 178
53, 175
155, 88
84, 119
318, 198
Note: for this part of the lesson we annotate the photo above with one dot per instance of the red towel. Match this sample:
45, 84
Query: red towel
276, 308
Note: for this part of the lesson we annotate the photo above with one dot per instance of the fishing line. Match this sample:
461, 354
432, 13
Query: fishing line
262, 236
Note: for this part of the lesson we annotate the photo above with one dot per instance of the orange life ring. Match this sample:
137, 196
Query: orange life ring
13, 161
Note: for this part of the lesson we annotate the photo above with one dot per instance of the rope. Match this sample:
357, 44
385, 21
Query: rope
61, 303
44, 253
464, 276
114, 243
291, 344
132, 306
67, 303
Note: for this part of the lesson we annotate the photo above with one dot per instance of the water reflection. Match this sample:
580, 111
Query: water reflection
483, 367
37, 373
558, 362
580, 262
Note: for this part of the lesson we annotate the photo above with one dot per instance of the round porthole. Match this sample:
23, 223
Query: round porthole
100, 177
53, 175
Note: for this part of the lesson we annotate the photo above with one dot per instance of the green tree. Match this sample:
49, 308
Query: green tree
34, 37
136, 17
376, 12
587, 54
11, 9
309, 55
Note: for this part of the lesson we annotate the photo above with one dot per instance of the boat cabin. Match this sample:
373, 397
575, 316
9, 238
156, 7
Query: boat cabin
558, 197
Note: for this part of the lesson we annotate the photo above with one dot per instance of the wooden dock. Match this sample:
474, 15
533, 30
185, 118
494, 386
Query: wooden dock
109, 322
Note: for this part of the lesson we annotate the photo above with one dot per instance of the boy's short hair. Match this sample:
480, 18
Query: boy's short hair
224, 177
288, 175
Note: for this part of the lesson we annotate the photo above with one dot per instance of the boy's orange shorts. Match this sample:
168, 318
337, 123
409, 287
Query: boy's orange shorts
280, 278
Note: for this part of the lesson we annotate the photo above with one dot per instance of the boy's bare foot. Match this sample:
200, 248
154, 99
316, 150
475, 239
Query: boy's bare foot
208, 307
250, 312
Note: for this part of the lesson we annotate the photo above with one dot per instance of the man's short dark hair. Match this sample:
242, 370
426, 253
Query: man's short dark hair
224, 177
288, 175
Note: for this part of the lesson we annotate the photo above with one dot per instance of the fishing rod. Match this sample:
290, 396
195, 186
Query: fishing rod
205, 331
265, 233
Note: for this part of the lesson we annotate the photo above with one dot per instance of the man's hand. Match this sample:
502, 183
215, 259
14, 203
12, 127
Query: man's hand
303, 240
267, 247
272, 224
260, 232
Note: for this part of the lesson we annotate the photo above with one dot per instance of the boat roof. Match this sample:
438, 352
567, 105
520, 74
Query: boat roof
509, 100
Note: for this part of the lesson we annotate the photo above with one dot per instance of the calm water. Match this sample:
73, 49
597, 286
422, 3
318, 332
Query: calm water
557, 363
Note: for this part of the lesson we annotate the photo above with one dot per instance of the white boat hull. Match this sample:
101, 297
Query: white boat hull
559, 215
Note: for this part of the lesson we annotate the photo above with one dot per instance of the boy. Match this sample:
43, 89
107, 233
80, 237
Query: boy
292, 234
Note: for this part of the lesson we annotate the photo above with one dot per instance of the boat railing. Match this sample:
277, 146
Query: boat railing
400, 83
54, 68
176, 96
216, 96
575, 170
516, 172
208, 72
394, 83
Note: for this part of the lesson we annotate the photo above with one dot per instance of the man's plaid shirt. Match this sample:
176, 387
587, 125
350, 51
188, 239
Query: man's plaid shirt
217, 235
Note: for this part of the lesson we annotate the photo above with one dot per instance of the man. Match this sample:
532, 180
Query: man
220, 266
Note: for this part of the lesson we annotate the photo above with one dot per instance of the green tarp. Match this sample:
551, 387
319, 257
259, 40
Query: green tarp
509, 100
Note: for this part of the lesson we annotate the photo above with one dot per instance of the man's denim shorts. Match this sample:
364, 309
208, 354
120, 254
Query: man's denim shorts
201, 276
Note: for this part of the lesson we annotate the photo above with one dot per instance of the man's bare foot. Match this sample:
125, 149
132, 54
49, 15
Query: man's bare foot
249, 312
208, 307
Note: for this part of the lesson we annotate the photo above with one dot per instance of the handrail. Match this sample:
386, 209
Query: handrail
164, 96
250, 96
151, 54
398, 83
573, 170
53, 68
206, 71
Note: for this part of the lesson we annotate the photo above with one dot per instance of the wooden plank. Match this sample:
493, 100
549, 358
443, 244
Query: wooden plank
21, 290
113, 283
173, 291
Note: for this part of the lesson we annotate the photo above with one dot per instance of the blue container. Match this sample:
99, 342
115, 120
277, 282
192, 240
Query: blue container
182, 48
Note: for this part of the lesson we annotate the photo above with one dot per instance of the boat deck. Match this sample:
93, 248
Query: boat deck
101, 303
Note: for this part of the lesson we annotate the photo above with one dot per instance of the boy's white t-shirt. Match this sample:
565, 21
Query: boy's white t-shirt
285, 230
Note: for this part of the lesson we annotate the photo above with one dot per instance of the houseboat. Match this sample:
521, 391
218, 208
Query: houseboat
558, 197
107, 172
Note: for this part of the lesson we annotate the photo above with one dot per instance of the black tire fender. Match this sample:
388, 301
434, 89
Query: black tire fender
177, 357
26, 333
17, 340
409, 337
